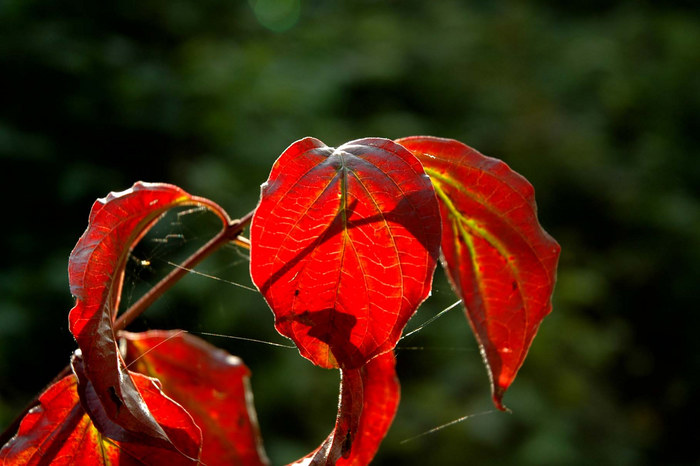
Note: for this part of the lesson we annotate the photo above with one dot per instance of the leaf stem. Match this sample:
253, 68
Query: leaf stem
230, 232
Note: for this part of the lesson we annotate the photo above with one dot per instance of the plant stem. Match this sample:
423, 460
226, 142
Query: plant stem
228, 233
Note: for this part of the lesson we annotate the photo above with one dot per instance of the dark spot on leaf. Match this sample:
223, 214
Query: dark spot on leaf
296, 292
515, 286
115, 398
347, 445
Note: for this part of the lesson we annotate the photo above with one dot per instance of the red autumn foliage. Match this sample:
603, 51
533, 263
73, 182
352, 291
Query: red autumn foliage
59, 431
96, 270
344, 243
343, 247
212, 385
498, 258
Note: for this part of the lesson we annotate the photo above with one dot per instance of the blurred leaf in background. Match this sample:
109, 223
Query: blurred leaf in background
596, 103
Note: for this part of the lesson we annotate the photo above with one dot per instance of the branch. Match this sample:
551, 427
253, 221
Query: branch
229, 232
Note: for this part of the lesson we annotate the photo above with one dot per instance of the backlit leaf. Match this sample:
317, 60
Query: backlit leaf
498, 258
96, 269
344, 243
369, 398
380, 400
58, 431
211, 384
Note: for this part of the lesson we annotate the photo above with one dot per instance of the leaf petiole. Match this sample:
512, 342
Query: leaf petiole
230, 232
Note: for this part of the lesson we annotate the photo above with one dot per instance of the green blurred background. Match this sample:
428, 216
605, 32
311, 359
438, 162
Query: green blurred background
596, 103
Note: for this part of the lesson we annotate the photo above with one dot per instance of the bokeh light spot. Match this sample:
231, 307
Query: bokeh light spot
276, 15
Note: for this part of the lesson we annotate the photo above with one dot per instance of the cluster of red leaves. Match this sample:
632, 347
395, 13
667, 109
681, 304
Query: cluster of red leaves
344, 243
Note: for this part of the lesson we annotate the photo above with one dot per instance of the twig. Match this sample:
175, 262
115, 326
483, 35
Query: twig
229, 233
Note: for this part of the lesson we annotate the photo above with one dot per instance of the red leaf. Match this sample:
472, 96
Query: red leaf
344, 243
368, 402
381, 393
96, 269
58, 431
498, 258
211, 384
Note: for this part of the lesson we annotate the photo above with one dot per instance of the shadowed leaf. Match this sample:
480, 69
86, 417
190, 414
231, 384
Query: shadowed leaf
96, 269
58, 431
211, 384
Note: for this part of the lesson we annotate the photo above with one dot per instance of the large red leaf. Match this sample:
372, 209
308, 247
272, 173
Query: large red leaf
344, 243
211, 384
96, 269
499, 259
369, 398
58, 431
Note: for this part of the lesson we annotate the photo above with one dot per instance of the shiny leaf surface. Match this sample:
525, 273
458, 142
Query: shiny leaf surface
498, 258
96, 268
344, 243
58, 431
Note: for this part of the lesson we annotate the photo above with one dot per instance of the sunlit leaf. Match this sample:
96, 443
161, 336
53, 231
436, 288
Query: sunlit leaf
368, 402
58, 431
344, 243
96, 269
380, 400
211, 384
499, 259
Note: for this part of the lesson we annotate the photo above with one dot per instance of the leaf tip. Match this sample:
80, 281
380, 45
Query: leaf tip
497, 397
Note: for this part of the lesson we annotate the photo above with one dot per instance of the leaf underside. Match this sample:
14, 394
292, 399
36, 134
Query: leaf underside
199, 394
58, 431
369, 398
212, 385
498, 258
96, 269
344, 243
